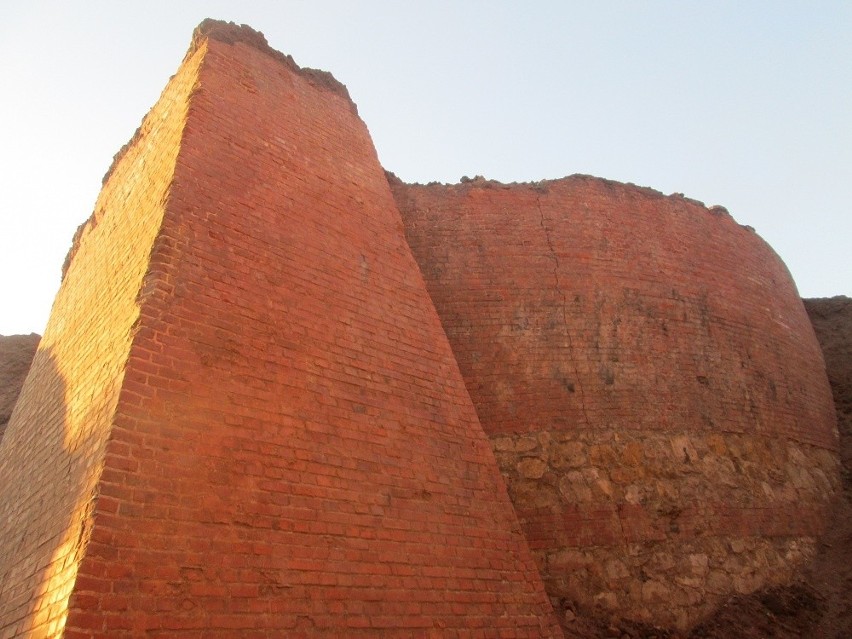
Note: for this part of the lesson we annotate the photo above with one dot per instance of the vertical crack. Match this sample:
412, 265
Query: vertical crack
563, 308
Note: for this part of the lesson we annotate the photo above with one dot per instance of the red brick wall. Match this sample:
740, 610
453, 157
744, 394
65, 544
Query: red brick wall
648, 377
294, 450
245, 417
53, 450
624, 295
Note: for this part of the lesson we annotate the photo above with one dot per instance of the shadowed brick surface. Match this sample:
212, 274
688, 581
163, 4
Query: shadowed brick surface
53, 451
16, 355
246, 418
649, 379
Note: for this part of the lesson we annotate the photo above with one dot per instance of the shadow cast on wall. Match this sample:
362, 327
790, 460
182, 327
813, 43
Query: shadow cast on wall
48, 471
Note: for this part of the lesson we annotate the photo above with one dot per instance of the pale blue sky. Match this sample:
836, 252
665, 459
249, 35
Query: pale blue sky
745, 104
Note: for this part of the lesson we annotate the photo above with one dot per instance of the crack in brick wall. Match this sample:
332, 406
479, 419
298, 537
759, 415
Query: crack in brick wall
696, 459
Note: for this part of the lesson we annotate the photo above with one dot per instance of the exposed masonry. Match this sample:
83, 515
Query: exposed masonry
259, 407
246, 371
696, 458
683, 529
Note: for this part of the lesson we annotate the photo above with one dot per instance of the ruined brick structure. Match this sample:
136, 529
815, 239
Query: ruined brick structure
264, 400
649, 380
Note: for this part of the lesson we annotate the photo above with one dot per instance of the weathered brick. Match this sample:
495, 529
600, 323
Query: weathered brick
245, 416
53, 452
647, 375
243, 319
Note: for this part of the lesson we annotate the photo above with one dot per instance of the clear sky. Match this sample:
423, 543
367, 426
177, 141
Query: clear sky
746, 104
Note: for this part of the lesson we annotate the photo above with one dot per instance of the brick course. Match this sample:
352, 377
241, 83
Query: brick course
649, 379
247, 418
52, 454
292, 448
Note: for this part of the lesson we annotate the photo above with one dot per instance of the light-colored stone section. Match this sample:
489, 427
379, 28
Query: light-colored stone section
694, 516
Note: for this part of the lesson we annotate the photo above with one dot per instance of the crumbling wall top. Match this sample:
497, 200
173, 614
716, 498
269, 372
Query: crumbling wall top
232, 33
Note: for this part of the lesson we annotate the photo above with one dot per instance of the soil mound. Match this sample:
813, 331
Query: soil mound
16, 355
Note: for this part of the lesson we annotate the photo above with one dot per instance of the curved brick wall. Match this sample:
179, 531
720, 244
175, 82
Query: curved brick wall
649, 380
